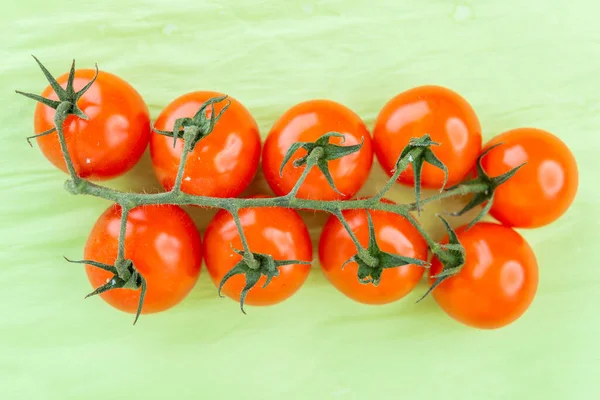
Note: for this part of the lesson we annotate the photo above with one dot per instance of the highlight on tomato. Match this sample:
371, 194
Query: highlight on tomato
222, 164
543, 189
394, 234
439, 112
277, 231
165, 247
307, 122
113, 138
497, 282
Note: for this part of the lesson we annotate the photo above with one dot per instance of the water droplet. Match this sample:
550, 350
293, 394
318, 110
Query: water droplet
462, 12
307, 8
87, 161
169, 29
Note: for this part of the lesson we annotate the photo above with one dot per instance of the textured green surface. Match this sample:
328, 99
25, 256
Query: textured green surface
518, 62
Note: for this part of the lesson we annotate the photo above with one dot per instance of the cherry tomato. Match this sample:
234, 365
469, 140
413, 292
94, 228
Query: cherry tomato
165, 247
543, 189
394, 234
306, 122
222, 164
445, 116
498, 281
276, 231
114, 137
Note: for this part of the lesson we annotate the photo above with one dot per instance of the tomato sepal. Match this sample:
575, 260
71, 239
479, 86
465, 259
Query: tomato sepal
134, 281
322, 152
452, 255
418, 152
67, 99
194, 129
486, 185
372, 260
264, 264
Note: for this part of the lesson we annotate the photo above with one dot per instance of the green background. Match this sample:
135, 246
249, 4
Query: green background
520, 63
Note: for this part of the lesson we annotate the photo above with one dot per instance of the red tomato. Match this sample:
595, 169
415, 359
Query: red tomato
114, 138
276, 231
223, 164
543, 189
165, 247
497, 282
439, 112
306, 122
394, 234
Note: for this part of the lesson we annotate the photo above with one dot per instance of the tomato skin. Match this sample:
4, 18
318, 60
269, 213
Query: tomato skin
543, 189
165, 247
114, 138
394, 235
498, 281
306, 122
222, 164
443, 114
276, 231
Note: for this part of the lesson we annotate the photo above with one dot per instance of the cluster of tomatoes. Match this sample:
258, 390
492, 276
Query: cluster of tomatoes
494, 287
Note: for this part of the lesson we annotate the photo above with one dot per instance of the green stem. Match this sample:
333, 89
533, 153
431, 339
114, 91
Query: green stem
62, 111
430, 242
342, 219
460, 190
252, 263
362, 253
120, 263
402, 165
188, 135
183, 199
122, 232
311, 161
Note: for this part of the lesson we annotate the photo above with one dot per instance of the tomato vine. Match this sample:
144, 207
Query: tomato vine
371, 259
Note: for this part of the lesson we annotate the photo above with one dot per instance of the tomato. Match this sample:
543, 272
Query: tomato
165, 247
498, 281
543, 189
445, 116
306, 122
222, 164
277, 231
394, 234
114, 137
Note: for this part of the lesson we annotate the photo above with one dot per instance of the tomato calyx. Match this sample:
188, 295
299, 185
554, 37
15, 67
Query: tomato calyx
483, 186
254, 266
319, 153
194, 129
452, 255
129, 278
372, 260
418, 152
67, 98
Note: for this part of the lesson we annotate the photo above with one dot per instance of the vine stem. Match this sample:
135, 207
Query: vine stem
363, 253
120, 262
430, 242
248, 256
184, 199
122, 233
188, 135
311, 161
344, 222
62, 111
459, 190
402, 165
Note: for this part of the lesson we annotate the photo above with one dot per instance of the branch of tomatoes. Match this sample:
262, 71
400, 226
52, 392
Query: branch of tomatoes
322, 151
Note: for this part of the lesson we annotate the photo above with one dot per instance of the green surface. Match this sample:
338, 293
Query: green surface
518, 62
